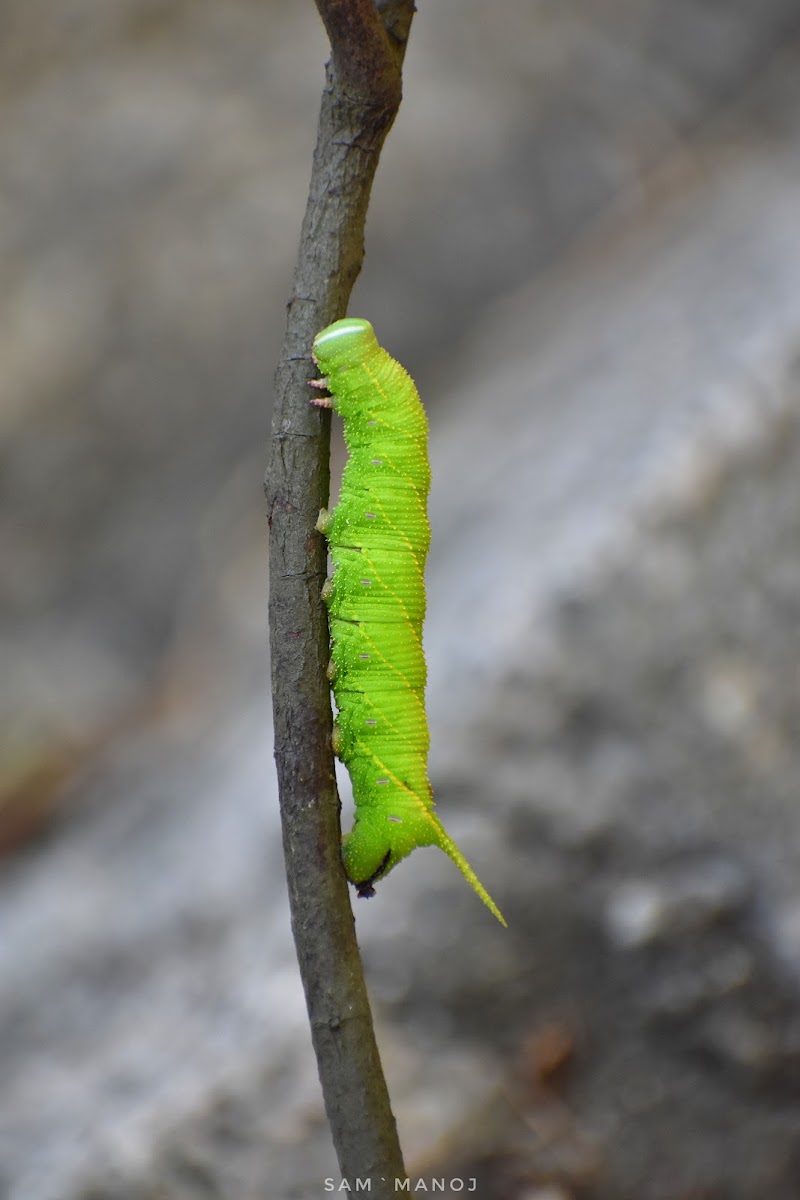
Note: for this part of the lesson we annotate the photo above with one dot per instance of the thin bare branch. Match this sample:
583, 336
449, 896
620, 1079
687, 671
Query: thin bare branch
362, 58
359, 104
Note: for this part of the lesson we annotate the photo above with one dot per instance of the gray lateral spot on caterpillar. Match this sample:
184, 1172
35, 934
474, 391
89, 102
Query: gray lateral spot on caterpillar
370, 516
381, 780
370, 423
365, 656
377, 462
370, 721
395, 820
365, 582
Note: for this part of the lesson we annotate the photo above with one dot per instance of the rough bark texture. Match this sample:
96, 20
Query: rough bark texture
360, 101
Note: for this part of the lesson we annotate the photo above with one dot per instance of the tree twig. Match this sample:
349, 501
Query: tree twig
359, 104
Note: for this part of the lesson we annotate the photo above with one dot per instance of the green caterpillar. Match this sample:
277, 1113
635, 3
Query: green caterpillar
379, 536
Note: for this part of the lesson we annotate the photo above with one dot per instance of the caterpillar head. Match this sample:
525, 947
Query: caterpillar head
344, 344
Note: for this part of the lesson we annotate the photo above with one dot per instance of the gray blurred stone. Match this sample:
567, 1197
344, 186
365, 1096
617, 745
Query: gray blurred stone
676, 902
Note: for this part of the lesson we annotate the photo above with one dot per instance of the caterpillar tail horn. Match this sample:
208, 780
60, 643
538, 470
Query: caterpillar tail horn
446, 843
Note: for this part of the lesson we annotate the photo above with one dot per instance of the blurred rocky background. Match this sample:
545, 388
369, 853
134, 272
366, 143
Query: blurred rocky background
584, 244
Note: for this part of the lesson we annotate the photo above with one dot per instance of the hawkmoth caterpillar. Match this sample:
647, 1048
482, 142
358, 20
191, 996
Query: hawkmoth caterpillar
378, 535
